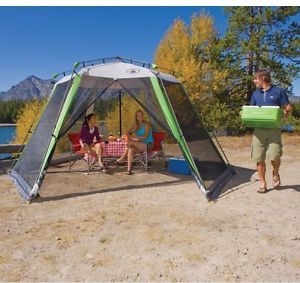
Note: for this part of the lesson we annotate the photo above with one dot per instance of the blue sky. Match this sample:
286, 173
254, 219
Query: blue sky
41, 41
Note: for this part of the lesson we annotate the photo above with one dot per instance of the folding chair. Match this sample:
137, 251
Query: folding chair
155, 152
77, 153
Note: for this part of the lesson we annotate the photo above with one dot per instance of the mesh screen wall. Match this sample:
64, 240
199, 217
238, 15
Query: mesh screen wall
27, 169
207, 158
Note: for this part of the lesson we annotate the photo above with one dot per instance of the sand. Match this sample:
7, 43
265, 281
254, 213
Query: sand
154, 227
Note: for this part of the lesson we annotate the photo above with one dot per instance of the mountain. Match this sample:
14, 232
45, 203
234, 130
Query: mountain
30, 88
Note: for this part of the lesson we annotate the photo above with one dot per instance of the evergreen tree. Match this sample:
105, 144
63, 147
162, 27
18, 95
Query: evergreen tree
260, 38
9, 110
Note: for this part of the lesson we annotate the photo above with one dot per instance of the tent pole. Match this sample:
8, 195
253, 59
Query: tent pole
120, 114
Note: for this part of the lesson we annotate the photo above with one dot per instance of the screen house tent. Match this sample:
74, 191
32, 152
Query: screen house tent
160, 95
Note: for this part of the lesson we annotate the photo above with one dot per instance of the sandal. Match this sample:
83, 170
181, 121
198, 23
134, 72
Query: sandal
276, 182
118, 163
103, 169
129, 172
262, 190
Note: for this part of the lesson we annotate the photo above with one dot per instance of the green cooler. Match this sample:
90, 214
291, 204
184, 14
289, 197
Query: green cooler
261, 117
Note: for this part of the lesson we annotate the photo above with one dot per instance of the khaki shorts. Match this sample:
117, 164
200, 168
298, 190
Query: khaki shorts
266, 141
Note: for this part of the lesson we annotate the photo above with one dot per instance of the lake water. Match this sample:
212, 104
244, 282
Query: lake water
7, 134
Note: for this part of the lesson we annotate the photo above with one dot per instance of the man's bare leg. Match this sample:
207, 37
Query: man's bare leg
261, 170
276, 177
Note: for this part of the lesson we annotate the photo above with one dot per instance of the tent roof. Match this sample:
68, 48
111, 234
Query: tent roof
120, 70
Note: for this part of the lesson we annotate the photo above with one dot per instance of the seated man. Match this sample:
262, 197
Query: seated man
139, 135
89, 132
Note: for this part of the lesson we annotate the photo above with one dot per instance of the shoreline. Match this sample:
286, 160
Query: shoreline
7, 124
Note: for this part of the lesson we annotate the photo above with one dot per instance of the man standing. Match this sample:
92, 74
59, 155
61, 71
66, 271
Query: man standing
268, 140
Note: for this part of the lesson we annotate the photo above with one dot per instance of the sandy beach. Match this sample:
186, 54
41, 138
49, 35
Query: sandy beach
156, 226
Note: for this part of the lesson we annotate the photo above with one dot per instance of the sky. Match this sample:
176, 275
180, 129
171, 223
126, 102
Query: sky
42, 41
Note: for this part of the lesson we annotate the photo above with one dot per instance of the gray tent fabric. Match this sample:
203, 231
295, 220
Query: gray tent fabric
26, 172
106, 83
205, 154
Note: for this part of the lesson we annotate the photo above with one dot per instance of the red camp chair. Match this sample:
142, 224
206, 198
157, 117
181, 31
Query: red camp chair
156, 152
77, 153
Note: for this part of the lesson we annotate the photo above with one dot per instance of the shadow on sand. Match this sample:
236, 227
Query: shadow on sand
243, 178
287, 187
110, 190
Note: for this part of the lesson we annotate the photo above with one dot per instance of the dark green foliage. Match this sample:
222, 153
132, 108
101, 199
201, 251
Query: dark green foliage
103, 107
259, 38
10, 109
296, 111
256, 38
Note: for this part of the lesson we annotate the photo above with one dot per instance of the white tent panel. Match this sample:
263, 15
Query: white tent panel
120, 70
117, 70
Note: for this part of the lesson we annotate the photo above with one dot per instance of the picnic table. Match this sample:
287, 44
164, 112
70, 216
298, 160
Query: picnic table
113, 149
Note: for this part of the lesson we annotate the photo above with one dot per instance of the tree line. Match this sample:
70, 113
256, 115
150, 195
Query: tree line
9, 110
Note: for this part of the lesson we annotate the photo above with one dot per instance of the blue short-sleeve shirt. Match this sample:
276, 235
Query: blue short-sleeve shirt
274, 96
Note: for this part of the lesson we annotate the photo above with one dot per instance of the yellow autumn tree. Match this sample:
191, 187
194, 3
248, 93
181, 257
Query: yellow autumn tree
186, 51
27, 120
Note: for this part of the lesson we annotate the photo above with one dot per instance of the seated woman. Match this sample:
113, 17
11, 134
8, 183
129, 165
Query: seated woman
139, 135
90, 139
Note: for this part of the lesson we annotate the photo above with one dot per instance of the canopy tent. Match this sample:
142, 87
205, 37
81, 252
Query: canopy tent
161, 96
